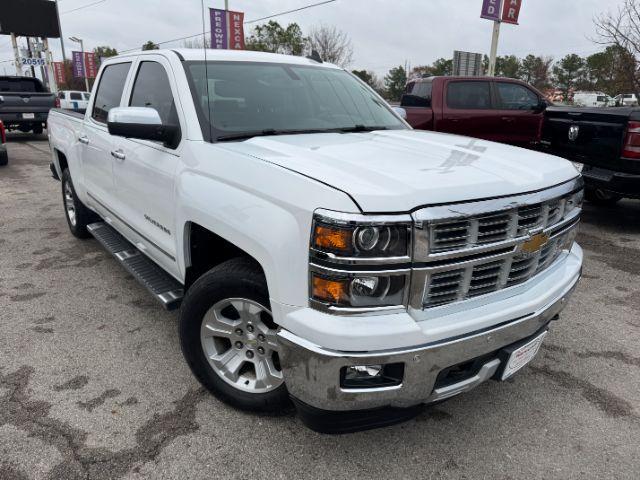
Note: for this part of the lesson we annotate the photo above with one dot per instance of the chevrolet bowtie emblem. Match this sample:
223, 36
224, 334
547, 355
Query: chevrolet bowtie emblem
535, 243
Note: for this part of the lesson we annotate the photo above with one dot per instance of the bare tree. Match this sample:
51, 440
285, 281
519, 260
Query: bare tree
622, 29
198, 42
333, 45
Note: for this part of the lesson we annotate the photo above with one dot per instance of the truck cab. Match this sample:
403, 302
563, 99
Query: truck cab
497, 109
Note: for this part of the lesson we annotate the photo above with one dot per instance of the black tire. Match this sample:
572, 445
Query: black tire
37, 130
4, 158
83, 216
601, 197
236, 278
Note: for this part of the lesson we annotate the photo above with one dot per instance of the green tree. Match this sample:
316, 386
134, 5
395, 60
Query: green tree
272, 37
150, 46
439, 68
104, 51
569, 72
536, 71
607, 71
508, 66
395, 82
370, 78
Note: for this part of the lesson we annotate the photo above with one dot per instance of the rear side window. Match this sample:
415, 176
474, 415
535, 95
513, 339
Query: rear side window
512, 96
75, 96
109, 90
469, 95
417, 94
152, 89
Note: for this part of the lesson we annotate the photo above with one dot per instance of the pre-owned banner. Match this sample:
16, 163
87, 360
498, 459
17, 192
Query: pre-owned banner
491, 10
90, 64
77, 65
511, 11
227, 29
58, 72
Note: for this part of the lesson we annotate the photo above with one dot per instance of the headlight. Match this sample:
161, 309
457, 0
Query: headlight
366, 238
359, 262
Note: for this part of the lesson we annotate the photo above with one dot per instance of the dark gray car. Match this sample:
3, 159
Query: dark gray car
24, 104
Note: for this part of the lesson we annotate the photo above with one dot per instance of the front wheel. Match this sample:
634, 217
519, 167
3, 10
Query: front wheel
228, 337
597, 196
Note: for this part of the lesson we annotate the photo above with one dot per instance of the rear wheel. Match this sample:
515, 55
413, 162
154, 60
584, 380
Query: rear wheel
597, 196
77, 214
37, 130
228, 337
4, 157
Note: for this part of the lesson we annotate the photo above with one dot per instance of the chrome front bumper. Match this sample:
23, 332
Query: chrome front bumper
312, 373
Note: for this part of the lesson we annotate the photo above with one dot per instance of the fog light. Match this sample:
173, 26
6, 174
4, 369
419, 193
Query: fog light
372, 376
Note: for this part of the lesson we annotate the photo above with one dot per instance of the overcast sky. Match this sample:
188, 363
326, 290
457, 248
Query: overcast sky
385, 33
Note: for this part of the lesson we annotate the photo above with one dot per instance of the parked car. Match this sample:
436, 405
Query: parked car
606, 141
73, 100
498, 109
4, 156
320, 250
592, 99
24, 104
626, 100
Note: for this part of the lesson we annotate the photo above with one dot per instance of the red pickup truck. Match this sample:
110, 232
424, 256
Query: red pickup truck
498, 109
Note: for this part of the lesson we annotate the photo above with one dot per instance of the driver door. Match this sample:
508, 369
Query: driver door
144, 170
517, 108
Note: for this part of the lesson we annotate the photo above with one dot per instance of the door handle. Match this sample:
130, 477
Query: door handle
507, 119
118, 154
84, 140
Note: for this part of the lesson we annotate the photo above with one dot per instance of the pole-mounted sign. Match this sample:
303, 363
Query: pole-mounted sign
499, 11
227, 29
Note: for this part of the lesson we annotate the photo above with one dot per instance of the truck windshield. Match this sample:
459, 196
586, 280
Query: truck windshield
21, 85
237, 100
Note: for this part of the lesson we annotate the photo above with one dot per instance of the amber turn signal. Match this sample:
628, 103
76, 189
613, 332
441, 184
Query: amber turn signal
331, 291
332, 238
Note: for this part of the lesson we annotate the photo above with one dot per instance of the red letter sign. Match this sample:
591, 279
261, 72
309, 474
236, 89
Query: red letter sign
511, 11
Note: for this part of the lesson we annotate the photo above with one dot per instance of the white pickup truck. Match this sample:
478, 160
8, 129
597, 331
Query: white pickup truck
319, 249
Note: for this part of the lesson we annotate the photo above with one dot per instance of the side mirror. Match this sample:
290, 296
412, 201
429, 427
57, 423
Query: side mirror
142, 123
540, 107
401, 112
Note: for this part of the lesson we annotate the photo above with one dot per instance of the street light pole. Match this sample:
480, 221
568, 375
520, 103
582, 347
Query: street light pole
494, 43
64, 55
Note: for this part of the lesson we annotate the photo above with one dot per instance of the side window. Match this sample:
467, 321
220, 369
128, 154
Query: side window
417, 94
512, 96
75, 96
109, 90
469, 95
152, 89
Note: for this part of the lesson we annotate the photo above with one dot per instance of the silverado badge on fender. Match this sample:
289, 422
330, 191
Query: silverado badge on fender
534, 244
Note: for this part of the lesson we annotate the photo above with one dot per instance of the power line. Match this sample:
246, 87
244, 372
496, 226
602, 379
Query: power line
290, 11
83, 6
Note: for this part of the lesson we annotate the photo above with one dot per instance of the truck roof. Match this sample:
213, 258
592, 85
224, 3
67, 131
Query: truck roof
199, 54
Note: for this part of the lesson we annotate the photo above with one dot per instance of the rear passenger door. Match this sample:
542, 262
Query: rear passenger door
95, 142
144, 171
468, 110
518, 109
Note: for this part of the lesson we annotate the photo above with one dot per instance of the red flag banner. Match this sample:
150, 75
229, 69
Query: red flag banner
511, 11
58, 72
236, 29
90, 64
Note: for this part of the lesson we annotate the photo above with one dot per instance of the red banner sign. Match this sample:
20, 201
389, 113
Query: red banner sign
90, 67
511, 11
58, 72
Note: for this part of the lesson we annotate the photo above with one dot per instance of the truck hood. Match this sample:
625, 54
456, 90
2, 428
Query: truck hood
400, 170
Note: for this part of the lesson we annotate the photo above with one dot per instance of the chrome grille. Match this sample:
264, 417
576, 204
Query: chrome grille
474, 255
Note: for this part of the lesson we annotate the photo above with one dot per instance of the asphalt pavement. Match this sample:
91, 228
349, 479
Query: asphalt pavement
93, 384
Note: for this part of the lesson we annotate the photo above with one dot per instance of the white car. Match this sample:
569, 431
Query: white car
592, 99
73, 100
318, 248
626, 100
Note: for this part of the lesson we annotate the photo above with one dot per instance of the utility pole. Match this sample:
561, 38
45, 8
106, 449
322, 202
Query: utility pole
53, 85
226, 4
30, 50
494, 43
64, 55
16, 54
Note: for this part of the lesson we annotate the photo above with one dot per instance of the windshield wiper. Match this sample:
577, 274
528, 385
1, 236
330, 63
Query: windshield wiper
272, 132
362, 128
